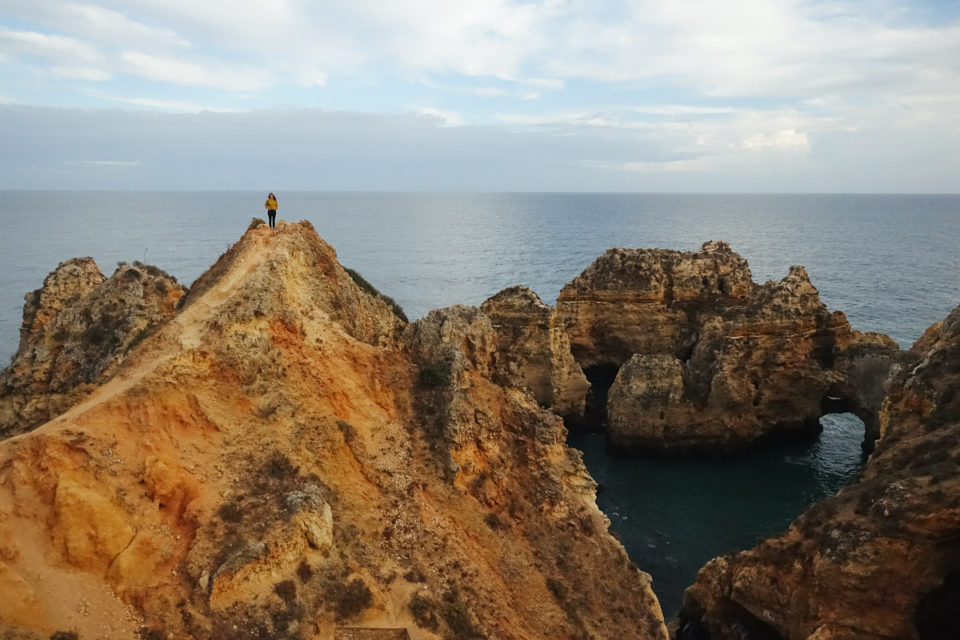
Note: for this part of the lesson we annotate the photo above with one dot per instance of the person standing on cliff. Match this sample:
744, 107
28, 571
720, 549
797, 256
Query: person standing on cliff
271, 205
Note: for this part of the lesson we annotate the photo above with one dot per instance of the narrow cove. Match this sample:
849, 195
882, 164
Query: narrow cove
673, 516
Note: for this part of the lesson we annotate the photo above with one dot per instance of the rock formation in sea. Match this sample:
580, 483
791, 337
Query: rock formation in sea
76, 330
708, 361
285, 456
532, 345
879, 560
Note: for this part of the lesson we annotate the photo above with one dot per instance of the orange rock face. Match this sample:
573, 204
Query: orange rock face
285, 456
880, 559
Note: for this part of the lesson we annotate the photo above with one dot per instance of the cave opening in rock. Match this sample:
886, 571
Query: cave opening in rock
936, 613
601, 378
835, 402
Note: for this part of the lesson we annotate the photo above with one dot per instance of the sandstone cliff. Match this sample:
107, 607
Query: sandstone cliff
286, 456
879, 560
533, 345
76, 330
710, 362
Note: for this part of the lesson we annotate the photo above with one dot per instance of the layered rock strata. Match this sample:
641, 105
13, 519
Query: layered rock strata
711, 362
533, 345
77, 328
285, 457
879, 560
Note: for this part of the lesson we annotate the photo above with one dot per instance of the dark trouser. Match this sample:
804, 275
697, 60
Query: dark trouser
272, 215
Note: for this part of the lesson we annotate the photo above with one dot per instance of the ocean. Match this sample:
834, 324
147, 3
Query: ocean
889, 261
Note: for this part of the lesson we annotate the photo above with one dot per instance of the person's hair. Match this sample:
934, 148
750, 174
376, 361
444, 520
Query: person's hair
272, 196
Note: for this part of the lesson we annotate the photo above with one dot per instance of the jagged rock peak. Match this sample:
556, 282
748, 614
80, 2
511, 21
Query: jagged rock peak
533, 346
77, 329
292, 266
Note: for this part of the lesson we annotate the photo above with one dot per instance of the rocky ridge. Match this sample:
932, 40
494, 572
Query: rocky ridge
879, 560
285, 456
77, 329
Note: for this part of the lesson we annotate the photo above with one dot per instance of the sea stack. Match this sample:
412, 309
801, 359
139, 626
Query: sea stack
710, 362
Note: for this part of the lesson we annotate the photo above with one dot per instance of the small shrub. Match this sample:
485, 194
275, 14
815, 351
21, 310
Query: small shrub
61, 335
65, 635
414, 575
308, 225
255, 223
349, 599
151, 633
230, 512
349, 433
423, 611
456, 615
287, 590
279, 467
132, 274
304, 572
557, 588
435, 375
95, 335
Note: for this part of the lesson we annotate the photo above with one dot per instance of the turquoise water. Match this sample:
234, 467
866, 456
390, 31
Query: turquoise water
890, 262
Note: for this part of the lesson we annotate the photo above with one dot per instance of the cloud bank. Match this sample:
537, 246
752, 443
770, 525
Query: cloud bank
790, 95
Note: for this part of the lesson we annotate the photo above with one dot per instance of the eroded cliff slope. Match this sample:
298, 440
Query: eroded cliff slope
286, 456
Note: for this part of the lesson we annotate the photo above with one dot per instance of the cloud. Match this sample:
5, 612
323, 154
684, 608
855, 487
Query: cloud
193, 73
787, 139
318, 149
34, 43
446, 118
167, 105
91, 74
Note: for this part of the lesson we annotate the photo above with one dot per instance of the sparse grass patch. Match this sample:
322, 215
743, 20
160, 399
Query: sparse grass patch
255, 223
65, 635
373, 291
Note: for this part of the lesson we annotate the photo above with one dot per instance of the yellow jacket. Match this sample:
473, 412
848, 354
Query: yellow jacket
270, 204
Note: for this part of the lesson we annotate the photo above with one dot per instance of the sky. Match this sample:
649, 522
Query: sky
481, 95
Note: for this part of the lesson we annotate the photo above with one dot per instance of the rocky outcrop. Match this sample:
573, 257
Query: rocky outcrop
880, 559
646, 300
77, 328
713, 362
285, 457
532, 345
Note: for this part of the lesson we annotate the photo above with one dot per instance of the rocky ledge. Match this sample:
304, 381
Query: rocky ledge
286, 457
881, 560
709, 362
